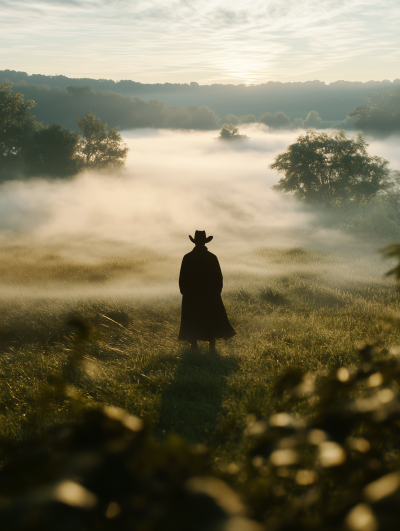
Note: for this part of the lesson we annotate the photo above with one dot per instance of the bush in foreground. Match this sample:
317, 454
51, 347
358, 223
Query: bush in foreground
336, 469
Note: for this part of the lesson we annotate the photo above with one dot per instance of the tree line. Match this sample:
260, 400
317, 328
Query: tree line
29, 148
322, 168
380, 114
333, 101
279, 120
62, 105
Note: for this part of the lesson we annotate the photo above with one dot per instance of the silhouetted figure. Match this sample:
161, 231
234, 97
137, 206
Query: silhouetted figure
200, 282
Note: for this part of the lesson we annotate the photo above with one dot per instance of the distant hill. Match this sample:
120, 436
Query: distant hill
333, 101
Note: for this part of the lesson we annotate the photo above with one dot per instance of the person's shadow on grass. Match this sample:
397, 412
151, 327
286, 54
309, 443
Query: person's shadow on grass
190, 406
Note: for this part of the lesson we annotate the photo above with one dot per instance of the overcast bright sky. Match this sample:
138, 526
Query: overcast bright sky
208, 41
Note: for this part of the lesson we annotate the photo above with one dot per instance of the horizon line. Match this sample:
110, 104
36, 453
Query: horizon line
195, 84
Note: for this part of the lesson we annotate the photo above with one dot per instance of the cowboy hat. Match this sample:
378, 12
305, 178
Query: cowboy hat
200, 237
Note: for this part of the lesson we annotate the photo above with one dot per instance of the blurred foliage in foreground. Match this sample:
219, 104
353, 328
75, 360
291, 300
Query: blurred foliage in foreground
106, 471
393, 251
339, 469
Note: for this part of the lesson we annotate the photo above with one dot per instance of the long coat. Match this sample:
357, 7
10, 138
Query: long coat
203, 313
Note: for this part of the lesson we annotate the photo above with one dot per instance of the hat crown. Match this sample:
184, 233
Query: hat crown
200, 237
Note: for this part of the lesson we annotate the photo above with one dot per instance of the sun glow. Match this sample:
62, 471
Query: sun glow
247, 77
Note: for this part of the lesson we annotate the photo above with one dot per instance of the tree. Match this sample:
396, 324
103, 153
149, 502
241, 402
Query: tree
16, 128
29, 149
381, 116
230, 119
235, 120
53, 152
230, 132
15, 119
312, 120
331, 169
98, 147
247, 119
278, 121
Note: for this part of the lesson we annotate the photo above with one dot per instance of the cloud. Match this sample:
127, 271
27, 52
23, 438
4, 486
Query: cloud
210, 41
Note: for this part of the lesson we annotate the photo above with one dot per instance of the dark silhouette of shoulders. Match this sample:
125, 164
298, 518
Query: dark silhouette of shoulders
200, 253
200, 271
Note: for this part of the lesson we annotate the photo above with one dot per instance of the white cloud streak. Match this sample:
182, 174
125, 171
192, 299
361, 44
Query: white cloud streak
209, 41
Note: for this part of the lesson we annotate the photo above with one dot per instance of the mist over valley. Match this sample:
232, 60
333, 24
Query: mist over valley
128, 229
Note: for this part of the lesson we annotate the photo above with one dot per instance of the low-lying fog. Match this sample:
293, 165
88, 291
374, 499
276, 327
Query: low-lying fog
135, 225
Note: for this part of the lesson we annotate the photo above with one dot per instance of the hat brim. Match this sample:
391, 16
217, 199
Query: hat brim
198, 241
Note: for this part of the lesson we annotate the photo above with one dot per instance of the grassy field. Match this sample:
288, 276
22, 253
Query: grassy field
290, 307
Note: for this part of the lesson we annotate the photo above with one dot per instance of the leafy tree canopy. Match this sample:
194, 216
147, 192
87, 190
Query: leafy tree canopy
331, 169
230, 132
278, 121
16, 123
381, 116
53, 152
28, 149
98, 147
332, 101
312, 120
237, 120
247, 119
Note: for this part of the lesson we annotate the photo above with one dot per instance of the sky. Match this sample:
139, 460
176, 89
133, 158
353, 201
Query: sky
206, 41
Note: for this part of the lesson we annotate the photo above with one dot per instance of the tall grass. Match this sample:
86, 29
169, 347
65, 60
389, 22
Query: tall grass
290, 307
299, 316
